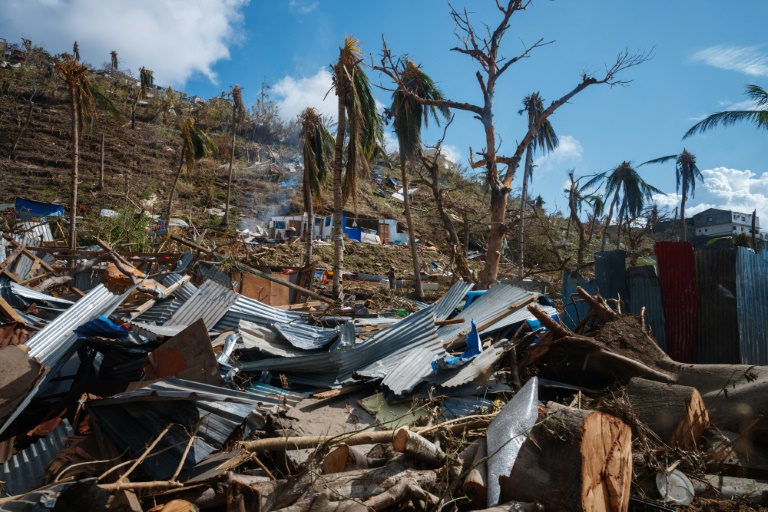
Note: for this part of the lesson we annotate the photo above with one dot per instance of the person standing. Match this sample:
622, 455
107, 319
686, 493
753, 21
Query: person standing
391, 277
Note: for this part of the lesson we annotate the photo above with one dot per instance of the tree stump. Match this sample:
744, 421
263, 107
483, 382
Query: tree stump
573, 460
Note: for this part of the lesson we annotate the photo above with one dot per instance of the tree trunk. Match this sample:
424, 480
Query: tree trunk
591, 229
608, 221
596, 449
677, 414
24, 126
427, 453
101, 169
682, 217
225, 221
173, 187
411, 235
338, 199
133, 113
523, 203
75, 163
622, 209
310, 210
492, 257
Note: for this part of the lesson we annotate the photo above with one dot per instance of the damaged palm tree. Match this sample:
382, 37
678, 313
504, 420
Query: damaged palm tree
84, 96
408, 115
195, 144
359, 121
238, 116
317, 151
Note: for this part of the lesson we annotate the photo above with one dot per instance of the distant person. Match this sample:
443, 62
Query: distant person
391, 276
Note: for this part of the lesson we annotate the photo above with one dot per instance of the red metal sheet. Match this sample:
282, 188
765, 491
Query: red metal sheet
677, 278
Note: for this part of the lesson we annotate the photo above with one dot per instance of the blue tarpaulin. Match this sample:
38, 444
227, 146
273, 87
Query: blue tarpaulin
102, 327
474, 349
27, 209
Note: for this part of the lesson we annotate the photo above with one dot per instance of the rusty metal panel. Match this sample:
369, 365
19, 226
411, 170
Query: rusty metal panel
645, 292
718, 337
611, 275
752, 305
188, 355
573, 312
677, 278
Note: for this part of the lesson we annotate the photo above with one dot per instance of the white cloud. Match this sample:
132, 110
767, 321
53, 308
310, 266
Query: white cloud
296, 94
452, 153
175, 38
301, 8
390, 142
667, 201
567, 154
732, 189
750, 60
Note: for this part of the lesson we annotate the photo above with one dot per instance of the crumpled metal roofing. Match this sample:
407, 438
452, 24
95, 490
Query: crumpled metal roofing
266, 392
305, 337
210, 303
521, 315
26, 470
183, 292
40, 500
451, 299
491, 304
375, 356
254, 311
152, 331
161, 312
55, 342
257, 339
20, 296
471, 371
32, 234
411, 370
135, 418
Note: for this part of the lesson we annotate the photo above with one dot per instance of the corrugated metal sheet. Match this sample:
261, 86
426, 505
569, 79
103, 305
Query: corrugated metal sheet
183, 292
372, 358
752, 305
575, 310
411, 370
470, 372
210, 303
20, 296
718, 333
677, 278
254, 311
460, 406
132, 420
259, 341
161, 312
491, 304
451, 299
306, 337
611, 275
40, 500
521, 315
153, 331
184, 260
56, 342
645, 292
26, 470
32, 234
208, 272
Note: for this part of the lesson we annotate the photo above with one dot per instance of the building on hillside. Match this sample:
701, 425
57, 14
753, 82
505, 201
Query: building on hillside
360, 228
717, 223
446, 161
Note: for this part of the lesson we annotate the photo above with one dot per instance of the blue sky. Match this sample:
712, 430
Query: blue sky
705, 52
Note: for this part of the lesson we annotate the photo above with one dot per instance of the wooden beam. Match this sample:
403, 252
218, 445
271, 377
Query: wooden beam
10, 312
246, 268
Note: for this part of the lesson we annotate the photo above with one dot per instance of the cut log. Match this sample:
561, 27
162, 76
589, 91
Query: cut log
428, 454
677, 414
731, 488
475, 484
573, 460
344, 458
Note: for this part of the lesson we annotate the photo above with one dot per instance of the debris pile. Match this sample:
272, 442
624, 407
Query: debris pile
148, 382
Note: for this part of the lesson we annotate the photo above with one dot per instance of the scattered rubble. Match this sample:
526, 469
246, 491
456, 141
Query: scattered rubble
158, 381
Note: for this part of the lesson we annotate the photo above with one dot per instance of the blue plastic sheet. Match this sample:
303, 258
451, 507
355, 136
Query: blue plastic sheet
474, 349
102, 327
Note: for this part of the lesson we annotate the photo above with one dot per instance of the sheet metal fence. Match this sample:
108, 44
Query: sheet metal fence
677, 277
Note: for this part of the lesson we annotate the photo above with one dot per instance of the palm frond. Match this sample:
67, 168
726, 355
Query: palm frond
730, 117
660, 160
758, 95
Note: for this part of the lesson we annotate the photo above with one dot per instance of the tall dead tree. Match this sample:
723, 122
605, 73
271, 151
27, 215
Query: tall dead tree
485, 47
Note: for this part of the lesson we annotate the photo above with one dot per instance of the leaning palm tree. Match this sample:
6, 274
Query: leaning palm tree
408, 115
83, 99
113, 60
687, 173
76, 51
146, 78
195, 144
623, 182
238, 113
758, 116
544, 139
317, 151
359, 119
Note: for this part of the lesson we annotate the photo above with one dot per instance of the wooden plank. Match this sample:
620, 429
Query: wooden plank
11, 258
10, 312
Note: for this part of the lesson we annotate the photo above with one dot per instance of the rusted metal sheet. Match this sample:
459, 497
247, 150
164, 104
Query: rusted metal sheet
677, 278
574, 310
188, 355
752, 305
611, 275
645, 292
718, 336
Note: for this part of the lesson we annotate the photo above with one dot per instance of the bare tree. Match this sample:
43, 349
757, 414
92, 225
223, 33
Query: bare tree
484, 48
24, 126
